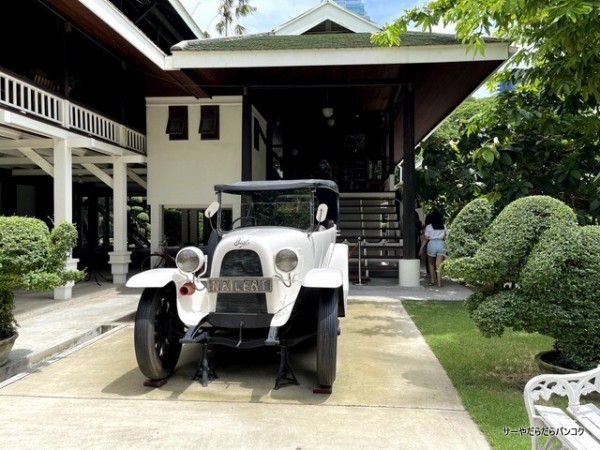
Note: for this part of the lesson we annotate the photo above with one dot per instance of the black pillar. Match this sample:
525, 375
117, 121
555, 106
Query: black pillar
246, 136
408, 176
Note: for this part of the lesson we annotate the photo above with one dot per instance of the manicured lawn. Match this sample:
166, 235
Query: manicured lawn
488, 373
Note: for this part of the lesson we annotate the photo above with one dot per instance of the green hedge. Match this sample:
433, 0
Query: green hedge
466, 234
538, 271
33, 258
509, 239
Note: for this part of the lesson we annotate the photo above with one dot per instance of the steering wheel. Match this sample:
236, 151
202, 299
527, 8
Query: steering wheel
239, 219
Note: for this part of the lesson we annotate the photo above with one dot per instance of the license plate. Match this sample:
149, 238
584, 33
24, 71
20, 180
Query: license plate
239, 285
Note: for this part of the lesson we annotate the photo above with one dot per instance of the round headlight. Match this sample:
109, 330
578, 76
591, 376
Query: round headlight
286, 260
190, 259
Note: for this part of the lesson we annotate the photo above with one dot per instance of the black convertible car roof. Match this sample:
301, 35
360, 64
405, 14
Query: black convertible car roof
249, 186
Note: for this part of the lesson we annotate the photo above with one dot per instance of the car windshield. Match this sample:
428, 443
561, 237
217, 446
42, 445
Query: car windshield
282, 208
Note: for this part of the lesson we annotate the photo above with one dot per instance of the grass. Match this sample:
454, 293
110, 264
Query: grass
489, 373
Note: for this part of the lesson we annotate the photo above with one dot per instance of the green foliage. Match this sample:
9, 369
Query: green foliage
541, 273
562, 277
552, 36
32, 257
466, 233
172, 225
540, 136
509, 240
503, 309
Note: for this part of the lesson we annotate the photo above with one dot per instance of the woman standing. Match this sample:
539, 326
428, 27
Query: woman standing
435, 235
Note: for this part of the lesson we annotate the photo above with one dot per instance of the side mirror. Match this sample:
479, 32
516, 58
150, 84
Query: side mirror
212, 210
321, 212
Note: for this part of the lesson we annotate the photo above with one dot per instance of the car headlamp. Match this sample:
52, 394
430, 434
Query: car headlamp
286, 260
190, 259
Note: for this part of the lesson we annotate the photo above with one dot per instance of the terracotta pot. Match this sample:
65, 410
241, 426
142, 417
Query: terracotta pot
6, 346
544, 362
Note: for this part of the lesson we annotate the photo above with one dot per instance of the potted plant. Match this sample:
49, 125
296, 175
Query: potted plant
32, 258
536, 270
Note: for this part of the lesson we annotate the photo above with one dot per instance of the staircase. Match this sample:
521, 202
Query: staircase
138, 234
374, 219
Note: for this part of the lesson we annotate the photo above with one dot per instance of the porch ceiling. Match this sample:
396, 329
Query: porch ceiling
20, 163
439, 87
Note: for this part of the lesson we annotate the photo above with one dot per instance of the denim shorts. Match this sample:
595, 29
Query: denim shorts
436, 247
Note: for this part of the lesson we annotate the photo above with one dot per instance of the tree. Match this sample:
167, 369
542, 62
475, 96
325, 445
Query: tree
540, 137
229, 12
552, 36
518, 143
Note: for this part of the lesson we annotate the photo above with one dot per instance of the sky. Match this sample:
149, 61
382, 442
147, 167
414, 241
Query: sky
272, 13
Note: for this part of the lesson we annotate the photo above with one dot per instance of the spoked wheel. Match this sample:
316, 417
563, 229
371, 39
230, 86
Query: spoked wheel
157, 332
327, 334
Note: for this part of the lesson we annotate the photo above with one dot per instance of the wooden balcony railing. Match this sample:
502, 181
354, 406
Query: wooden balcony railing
32, 100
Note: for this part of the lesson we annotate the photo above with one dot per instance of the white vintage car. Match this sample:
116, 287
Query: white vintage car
272, 275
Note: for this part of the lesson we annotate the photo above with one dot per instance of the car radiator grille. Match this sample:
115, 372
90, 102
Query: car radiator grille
241, 263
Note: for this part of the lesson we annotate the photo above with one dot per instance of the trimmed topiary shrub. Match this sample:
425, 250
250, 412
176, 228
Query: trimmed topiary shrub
539, 271
466, 233
33, 258
509, 239
562, 282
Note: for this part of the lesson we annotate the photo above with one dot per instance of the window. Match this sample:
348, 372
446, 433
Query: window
209, 122
177, 125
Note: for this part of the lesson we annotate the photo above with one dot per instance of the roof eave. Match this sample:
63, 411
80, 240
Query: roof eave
109, 14
334, 56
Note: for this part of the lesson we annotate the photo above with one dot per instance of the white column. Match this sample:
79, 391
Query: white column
120, 257
63, 203
157, 230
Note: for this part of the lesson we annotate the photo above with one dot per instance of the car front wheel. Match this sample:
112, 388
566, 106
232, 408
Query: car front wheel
157, 332
327, 334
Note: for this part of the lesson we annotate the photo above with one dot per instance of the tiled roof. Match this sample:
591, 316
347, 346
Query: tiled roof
269, 41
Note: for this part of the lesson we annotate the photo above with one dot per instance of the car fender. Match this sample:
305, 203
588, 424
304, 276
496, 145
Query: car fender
339, 260
154, 278
330, 277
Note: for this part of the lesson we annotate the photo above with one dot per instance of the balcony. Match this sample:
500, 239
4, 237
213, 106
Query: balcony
30, 99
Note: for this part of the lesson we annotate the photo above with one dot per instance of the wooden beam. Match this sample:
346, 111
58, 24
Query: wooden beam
184, 80
99, 173
38, 160
76, 172
13, 144
97, 145
132, 159
139, 180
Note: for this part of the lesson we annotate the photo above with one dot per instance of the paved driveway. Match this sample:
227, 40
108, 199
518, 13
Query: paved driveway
390, 392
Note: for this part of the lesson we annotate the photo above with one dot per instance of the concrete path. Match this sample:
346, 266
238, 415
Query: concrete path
390, 392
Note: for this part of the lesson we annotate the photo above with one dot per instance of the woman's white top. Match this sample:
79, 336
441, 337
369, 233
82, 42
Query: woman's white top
434, 234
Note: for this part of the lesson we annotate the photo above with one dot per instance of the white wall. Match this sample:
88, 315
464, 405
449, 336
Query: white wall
183, 173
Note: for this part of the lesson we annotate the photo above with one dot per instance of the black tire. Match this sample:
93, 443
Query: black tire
327, 334
157, 332
153, 262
